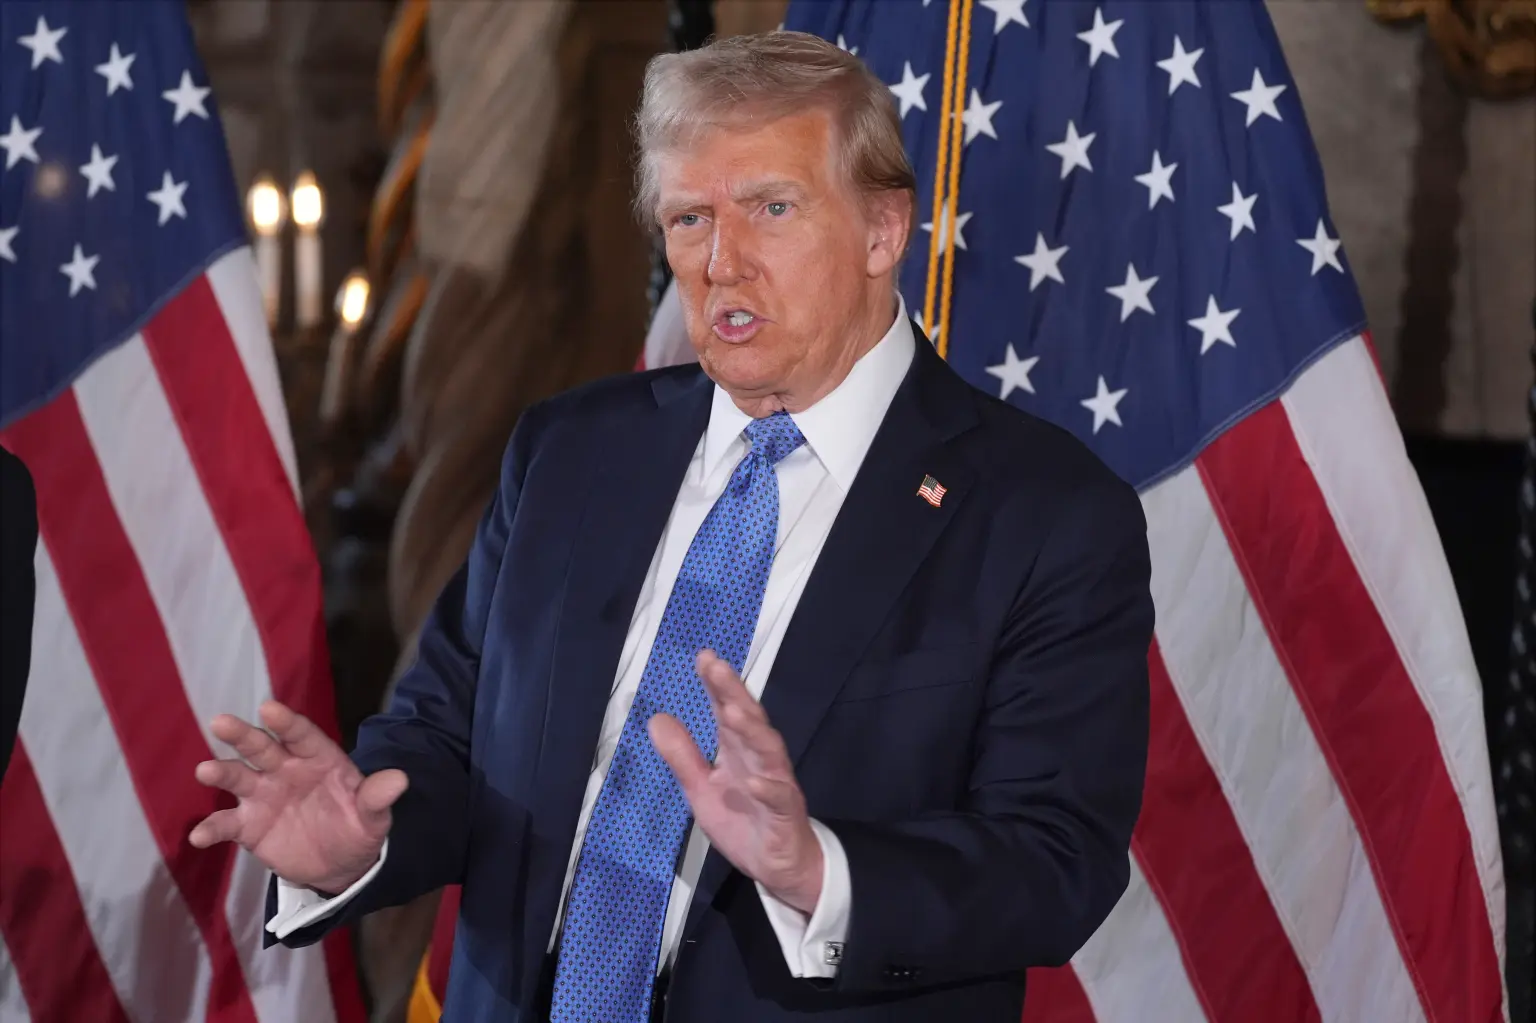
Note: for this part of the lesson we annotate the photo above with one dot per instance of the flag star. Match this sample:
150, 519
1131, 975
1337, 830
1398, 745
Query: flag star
910, 89
168, 198
1181, 66
978, 117
1014, 372
1101, 37
1159, 180
1073, 150
1240, 210
1215, 325
188, 98
115, 70
1134, 294
81, 271
1105, 405
1004, 13
44, 43
7, 235
944, 226
842, 45
1043, 262
18, 143
1260, 98
99, 172
932, 335
1325, 250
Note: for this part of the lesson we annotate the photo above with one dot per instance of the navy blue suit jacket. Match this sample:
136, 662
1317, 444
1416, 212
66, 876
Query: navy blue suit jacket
963, 690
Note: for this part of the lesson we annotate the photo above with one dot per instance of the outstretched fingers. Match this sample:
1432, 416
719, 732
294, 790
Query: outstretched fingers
261, 750
741, 719
301, 736
675, 744
230, 775
219, 826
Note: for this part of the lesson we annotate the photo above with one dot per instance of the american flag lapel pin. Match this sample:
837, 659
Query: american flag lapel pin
931, 491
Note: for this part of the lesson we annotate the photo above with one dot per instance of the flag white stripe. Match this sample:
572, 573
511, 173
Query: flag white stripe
285, 983
233, 280
13, 1007
1256, 738
208, 622
141, 925
1344, 426
162, 508
1131, 969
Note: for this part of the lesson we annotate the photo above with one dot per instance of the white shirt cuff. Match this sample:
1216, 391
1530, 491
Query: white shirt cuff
814, 947
298, 906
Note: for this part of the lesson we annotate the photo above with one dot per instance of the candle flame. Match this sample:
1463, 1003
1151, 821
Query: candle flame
352, 302
265, 204
308, 203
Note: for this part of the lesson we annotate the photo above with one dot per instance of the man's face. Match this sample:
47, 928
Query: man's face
778, 266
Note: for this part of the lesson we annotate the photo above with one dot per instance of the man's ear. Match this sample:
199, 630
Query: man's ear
890, 225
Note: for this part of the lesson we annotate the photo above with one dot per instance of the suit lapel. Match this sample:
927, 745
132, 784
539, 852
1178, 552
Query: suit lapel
883, 532
642, 462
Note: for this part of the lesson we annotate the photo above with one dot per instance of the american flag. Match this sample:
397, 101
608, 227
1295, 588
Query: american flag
175, 578
1143, 254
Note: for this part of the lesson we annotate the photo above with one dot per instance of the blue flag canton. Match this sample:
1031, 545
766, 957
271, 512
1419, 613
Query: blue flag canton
115, 185
1144, 250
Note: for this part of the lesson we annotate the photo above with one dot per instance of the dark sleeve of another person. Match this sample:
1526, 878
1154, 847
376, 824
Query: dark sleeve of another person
18, 585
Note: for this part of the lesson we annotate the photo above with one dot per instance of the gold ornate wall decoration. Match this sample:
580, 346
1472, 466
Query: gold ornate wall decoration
1489, 46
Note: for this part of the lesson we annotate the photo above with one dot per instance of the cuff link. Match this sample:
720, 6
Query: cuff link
832, 953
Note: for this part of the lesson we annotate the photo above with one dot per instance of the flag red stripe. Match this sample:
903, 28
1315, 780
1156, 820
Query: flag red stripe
248, 493
247, 490
341, 970
1240, 961
1054, 995
1373, 728
440, 951
124, 640
58, 966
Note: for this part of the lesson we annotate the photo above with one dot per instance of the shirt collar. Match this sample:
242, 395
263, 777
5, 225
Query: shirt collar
840, 427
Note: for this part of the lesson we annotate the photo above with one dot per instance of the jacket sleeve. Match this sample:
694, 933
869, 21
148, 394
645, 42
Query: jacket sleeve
426, 730
1038, 853
18, 547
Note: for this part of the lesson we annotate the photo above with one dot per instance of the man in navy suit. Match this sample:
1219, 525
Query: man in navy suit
806, 682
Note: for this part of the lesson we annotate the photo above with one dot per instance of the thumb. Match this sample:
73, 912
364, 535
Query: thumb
378, 793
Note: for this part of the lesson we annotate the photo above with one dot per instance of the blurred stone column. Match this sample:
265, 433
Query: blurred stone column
534, 276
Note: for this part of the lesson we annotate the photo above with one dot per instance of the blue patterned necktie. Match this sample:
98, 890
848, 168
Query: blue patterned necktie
618, 901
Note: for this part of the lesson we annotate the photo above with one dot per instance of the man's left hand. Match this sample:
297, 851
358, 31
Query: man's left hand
747, 801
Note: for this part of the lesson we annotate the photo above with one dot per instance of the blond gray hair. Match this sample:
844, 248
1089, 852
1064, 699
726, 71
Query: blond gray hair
746, 80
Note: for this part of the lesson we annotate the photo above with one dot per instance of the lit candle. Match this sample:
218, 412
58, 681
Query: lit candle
351, 309
265, 205
308, 274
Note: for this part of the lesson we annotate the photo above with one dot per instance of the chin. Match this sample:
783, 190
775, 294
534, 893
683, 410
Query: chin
742, 368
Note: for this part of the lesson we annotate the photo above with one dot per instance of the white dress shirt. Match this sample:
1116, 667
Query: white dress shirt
813, 480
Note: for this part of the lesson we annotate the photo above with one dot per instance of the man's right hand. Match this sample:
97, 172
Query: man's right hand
305, 809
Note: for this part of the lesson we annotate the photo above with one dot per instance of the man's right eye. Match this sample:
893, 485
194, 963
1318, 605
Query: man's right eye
687, 219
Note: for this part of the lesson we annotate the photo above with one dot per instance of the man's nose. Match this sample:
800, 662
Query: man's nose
727, 263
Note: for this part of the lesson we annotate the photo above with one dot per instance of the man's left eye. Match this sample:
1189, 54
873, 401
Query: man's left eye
777, 209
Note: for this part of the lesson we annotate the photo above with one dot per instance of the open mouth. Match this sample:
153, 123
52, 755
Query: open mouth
736, 325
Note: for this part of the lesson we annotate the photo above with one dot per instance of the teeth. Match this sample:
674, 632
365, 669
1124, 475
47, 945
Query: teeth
739, 319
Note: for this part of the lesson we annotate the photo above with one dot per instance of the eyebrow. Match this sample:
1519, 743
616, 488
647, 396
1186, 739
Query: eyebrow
757, 191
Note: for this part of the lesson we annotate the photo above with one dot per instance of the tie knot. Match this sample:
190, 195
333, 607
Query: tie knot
774, 436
